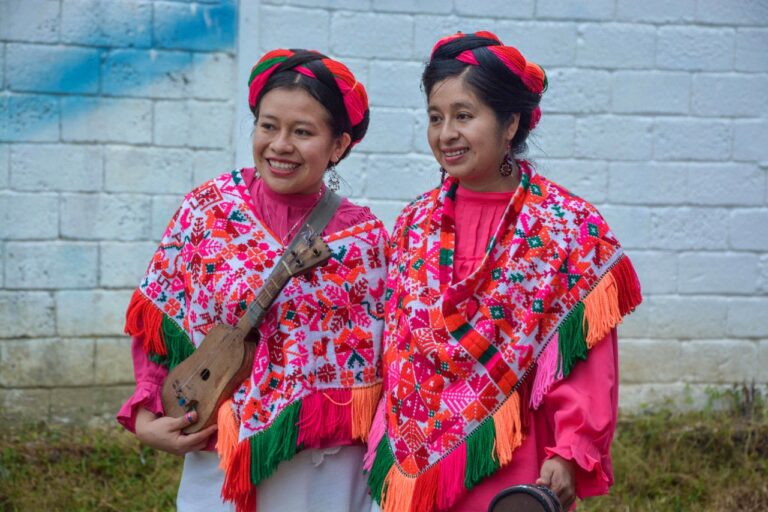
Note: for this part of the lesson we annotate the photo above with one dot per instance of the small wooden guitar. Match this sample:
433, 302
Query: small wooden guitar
224, 359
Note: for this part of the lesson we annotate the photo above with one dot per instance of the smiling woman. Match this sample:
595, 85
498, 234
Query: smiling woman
289, 436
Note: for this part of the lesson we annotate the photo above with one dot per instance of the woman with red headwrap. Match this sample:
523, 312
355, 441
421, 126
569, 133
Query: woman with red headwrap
503, 294
289, 437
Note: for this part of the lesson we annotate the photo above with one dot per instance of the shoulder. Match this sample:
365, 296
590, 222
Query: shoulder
417, 208
350, 214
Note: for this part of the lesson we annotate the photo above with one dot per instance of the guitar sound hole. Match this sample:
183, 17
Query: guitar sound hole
205, 374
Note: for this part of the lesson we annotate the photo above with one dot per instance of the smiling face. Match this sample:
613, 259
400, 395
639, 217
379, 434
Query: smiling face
466, 137
293, 142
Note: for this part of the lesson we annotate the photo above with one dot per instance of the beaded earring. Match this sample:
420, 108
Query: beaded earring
507, 166
442, 175
333, 178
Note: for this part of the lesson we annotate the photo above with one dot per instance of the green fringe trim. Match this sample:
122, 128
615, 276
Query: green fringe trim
276, 444
177, 345
481, 457
572, 340
381, 466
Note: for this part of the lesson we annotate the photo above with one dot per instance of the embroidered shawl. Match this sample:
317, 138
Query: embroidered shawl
452, 413
317, 372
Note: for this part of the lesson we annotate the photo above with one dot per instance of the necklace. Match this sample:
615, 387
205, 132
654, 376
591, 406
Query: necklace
287, 237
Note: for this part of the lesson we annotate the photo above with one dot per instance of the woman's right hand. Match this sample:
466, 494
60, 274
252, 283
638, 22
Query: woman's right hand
165, 433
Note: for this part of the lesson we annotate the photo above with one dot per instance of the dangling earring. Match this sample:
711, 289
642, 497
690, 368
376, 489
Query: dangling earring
333, 178
442, 175
507, 166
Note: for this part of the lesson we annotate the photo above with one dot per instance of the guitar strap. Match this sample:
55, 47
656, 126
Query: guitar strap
318, 218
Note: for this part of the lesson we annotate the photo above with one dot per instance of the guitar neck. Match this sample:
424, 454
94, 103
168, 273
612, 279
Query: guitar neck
257, 309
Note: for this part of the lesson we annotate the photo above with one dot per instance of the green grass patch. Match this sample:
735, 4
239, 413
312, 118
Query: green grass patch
712, 460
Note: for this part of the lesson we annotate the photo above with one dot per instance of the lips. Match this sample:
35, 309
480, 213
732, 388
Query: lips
453, 155
282, 167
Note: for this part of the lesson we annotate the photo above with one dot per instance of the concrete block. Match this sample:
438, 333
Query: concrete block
656, 11
29, 118
350, 5
388, 173
651, 92
396, 84
728, 184
390, 131
695, 48
718, 361
640, 398
193, 123
585, 178
614, 137
353, 172
26, 314
105, 312
746, 137
657, 271
208, 164
762, 361
387, 211
564, 9
692, 139
429, 29
195, 26
213, 76
46, 362
751, 49
149, 170
577, 91
676, 317
54, 69
113, 363
642, 361
100, 217
553, 137
748, 229
420, 141
56, 167
163, 209
36, 265
29, 216
87, 405
730, 95
123, 265
95, 120
739, 12
4, 165
106, 23
406, 6
718, 273
493, 8
631, 224
647, 183
351, 35
147, 73
30, 20
691, 228
545, 43
18, 406
619, 45
274, 20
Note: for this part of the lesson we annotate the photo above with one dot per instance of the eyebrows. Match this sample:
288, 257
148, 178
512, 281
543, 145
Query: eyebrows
456, 105
294, 122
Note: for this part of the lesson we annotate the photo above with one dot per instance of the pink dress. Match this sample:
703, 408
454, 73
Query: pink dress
283, 214
577, 418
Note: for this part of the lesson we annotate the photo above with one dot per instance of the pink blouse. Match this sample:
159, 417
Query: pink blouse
577, 418
283, 214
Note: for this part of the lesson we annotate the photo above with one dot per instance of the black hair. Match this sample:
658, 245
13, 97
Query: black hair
492, 81
324, 89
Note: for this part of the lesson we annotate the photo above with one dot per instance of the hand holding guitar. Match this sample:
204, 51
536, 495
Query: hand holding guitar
165, 433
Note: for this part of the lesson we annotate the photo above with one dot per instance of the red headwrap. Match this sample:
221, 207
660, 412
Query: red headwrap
531, 74
352, 92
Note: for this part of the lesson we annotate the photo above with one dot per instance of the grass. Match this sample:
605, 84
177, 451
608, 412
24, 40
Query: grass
712, 460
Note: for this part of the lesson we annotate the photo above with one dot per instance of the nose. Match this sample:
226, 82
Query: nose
448, 132
282, 143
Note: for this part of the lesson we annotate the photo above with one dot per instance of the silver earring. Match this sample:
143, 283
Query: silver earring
333, 178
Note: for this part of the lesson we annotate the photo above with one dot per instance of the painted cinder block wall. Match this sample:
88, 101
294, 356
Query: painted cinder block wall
111, 110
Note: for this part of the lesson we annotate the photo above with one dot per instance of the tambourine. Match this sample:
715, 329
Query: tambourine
525, 498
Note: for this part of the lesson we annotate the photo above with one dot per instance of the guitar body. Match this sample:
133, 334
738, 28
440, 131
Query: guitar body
209, 376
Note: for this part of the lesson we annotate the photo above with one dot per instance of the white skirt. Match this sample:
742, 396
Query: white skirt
329, 480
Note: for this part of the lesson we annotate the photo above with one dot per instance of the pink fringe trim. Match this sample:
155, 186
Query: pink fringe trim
324, 416
378, 427
451, 477
546, 373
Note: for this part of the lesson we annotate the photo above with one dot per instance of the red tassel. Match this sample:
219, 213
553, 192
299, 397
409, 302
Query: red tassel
628, 286
145, 320
237, 486
524, 391
325, 417
425, 496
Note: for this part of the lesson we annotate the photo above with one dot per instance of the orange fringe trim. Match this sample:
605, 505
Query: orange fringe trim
228, 434
237, 486
364, 402
509, 431
601, 309
399, 491
145, 320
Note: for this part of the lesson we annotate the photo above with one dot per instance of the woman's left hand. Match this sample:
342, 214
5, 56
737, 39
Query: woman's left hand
560, 476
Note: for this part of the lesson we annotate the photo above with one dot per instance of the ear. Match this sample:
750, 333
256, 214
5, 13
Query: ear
340, 145
511, 130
